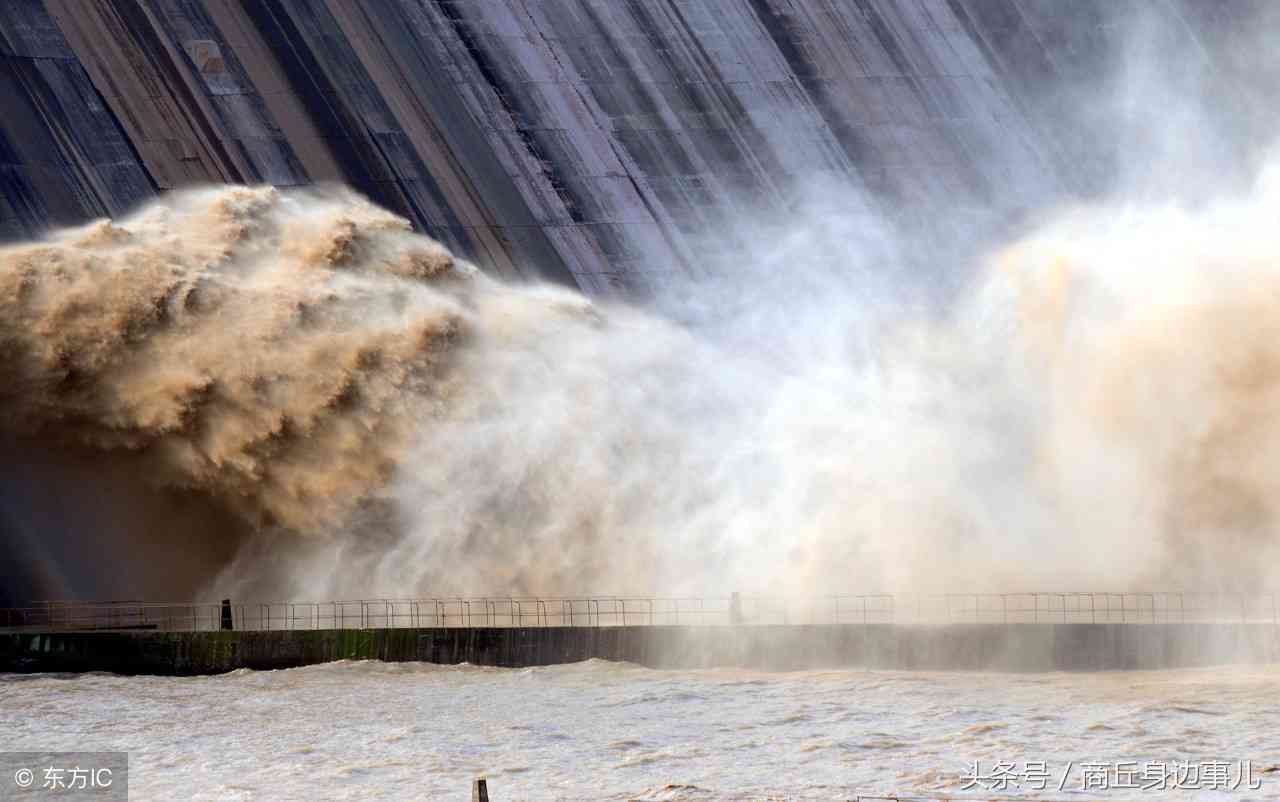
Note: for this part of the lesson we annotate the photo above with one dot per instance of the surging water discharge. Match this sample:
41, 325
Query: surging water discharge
302, 398
258, 349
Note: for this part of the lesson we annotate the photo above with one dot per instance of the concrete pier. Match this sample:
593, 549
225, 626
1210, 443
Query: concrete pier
993, 647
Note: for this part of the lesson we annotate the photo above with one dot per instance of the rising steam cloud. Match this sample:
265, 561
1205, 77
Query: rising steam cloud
362, 414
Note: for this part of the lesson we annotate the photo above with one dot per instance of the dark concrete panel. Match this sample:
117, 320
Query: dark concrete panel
63, 158
591, 141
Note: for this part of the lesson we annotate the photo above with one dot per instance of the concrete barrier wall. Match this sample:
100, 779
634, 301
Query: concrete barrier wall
593, 141
996, 647
64, 157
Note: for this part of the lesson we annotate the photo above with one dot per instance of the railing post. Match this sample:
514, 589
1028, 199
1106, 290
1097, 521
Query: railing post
479, 791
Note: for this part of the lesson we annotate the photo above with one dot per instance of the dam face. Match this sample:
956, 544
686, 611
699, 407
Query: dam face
590, 141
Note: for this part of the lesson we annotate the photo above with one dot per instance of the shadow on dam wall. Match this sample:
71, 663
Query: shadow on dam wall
588, 141
987, 647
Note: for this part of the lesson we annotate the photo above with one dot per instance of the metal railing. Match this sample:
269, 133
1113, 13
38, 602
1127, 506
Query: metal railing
606, 611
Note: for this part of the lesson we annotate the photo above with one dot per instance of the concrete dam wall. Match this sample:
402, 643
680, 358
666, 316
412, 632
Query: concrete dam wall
590, 141
991, 647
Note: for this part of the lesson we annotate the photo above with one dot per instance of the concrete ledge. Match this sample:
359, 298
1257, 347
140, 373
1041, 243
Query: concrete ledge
993, 647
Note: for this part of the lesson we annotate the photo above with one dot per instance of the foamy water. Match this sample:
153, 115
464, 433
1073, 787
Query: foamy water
601, 730
248, 393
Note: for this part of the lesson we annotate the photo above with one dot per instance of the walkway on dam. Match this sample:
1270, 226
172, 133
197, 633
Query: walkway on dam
1000, 632
607, 611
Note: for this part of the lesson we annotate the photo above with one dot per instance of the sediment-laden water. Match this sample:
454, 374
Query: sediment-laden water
607, 731
266, 395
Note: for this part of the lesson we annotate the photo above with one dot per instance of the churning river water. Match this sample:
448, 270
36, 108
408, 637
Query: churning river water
598, 730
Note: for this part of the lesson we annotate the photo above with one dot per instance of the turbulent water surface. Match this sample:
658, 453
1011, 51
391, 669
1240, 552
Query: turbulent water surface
600, 730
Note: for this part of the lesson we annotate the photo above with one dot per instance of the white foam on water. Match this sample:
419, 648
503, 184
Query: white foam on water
600, 731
